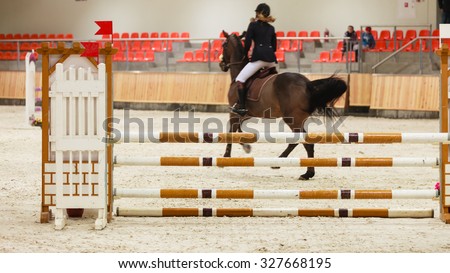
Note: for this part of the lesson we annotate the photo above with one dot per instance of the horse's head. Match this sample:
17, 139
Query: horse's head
232, 51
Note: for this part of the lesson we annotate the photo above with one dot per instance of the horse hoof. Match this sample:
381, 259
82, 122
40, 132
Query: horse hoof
306, 176
247, 148
275, 168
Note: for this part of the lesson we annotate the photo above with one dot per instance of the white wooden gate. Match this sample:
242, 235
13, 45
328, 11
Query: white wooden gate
78, 103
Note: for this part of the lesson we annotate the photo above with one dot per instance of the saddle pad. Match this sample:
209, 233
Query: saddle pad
257, 87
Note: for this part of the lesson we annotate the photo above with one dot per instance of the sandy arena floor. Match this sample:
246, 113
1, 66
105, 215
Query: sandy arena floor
20, 186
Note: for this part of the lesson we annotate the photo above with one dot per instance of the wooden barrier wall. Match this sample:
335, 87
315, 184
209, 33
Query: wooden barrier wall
399, 92
377, 91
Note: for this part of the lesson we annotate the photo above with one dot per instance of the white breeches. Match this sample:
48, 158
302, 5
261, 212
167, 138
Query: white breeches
252, 68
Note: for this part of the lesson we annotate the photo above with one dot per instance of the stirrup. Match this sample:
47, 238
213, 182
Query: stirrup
240, 111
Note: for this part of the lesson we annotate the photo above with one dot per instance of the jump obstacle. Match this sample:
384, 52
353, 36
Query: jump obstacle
280, 162
275, 194
77, 167
281, 137
275, 212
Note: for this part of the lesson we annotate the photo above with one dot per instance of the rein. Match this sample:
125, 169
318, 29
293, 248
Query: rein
235, 63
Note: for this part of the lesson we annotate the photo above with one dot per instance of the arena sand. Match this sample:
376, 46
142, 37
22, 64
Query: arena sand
20, 188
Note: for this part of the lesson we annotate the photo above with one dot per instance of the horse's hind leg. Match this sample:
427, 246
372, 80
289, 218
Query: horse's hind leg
247, 147
310, 172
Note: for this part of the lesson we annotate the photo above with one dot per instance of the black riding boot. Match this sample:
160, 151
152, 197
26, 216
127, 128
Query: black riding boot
239, 107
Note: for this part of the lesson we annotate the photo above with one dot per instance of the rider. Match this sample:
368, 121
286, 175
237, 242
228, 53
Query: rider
265, 44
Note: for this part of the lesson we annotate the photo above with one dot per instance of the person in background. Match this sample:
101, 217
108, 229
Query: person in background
367, 40
352, 42
444, 6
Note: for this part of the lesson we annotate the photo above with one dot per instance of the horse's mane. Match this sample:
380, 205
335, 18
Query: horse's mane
239, 45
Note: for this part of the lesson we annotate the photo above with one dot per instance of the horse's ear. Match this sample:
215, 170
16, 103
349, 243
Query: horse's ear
242, 35
225, 34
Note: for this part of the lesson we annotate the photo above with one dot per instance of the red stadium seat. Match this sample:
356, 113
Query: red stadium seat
385, 35
217, 45
314, 33
188, 57
291, 33
336, 57
380, 46
136, 46
205, 46
280, 56
119, 56
285, 45
167, 46
199, 56
345, 57
296, 45
146, 46
139, 56
157, 46
324, 57
424, 32
149, 56
185, 35
398, 34
435, 33
410, 34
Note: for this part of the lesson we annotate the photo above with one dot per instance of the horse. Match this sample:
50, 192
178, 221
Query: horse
290, 96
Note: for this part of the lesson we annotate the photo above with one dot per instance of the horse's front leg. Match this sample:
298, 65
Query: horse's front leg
235, 125
286, 152
310, 171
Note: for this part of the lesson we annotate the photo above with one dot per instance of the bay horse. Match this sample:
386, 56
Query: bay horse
290, 96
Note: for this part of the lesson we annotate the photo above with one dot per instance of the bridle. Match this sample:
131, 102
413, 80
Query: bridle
223, 64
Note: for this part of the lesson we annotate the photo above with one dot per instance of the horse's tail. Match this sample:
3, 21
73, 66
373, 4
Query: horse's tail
324, 93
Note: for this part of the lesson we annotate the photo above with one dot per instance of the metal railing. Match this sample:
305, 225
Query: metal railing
403, 48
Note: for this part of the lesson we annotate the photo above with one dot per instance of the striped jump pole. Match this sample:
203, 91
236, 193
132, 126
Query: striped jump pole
275, 212
275, 194
279, 162
280, 137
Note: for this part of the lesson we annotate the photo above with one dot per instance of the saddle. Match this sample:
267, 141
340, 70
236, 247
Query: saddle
256, 82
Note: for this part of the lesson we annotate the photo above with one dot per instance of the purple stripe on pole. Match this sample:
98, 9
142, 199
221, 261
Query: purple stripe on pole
207, 137
343, 212
206, 193
207, 212
346, 162
207, 161
346, 194
353, 137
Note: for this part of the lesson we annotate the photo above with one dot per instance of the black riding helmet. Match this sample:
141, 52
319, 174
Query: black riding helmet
264, 9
